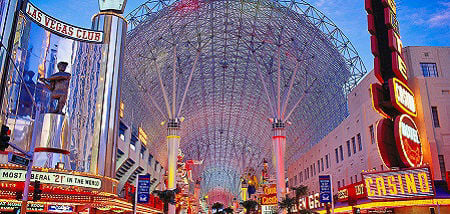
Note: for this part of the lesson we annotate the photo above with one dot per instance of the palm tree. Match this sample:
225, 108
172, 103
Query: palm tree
287, 203
228, 210
300, 191
166, 196
249, 205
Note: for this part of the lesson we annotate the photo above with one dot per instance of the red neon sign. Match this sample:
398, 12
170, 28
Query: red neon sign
408, 141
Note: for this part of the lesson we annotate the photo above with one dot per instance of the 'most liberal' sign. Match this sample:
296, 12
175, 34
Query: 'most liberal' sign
402, 184
61, 28
51, 178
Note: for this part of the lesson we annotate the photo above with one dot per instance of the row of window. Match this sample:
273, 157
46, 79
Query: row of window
322, 164
133, 141
352, 147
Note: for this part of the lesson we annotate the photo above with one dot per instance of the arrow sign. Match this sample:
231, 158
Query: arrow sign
325, 189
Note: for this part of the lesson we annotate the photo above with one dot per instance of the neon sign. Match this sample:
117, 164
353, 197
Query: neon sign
408, 141
402, 98
400, 184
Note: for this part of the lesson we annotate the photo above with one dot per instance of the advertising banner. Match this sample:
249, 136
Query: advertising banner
270, 195
352, 192
325, 189
143, 194
410, 183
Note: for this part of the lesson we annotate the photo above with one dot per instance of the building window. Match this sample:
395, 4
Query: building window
306, 173
321, 163
442, 166
339, 184
133, 142
295, 180
300, 176
122, 129
337, 155
341, 151
358, 136
318, 166
343, 182
354, 145
356, 178
349, 151
143, 149
150, 157
372, 134
326, 160
311, 171
429, 69
351, 180
434, 114
382, 167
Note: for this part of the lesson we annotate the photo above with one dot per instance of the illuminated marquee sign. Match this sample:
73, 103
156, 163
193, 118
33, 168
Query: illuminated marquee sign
61, 28
392, 98
143, 136
401, 184
9, 206
402, 98
310, 202
352, 192
408, 141
51, 178
270, 195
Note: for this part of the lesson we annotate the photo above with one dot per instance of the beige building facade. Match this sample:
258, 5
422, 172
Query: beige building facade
351, 148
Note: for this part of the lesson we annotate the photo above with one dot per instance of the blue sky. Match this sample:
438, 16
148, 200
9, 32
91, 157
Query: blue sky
422, 23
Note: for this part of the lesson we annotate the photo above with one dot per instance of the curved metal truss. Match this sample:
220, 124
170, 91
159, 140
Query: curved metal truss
150, 8
229, 65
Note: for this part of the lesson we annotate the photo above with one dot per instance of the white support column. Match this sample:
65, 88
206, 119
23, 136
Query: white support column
173, 143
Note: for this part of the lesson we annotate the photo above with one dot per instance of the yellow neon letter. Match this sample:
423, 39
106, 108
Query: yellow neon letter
369, 182
423, 179
392, 185
380, 186
410, 183
400, 184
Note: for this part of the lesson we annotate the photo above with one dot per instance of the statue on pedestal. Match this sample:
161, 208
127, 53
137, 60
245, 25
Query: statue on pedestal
58, 84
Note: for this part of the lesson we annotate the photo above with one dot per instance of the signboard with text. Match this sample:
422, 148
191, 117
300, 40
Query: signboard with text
143, 189
352, 192
325, 189
51, 178
61, 28
413, 183
398, 144
270, 195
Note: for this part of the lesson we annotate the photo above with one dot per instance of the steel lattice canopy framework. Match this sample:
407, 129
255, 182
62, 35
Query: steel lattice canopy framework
245, 57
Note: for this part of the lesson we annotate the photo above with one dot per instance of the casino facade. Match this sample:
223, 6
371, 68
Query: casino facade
350, 154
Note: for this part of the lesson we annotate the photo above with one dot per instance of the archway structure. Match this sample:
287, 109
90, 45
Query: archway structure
228, 66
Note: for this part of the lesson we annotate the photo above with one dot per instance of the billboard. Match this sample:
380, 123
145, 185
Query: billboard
352, 192
413, 183
270, 195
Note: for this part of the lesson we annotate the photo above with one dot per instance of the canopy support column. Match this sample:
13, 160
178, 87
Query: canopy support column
173, 143
279, 145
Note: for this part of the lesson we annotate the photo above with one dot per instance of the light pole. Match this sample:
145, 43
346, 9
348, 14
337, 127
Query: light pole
30, 155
